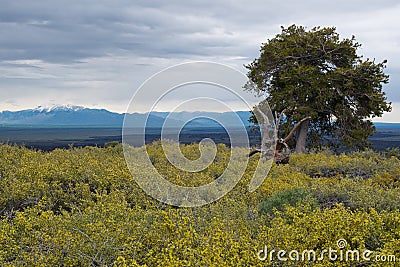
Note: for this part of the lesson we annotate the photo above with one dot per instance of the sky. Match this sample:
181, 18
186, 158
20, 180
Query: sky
97, 53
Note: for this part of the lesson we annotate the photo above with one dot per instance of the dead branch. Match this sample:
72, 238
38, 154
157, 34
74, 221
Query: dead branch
255, 151
290, 135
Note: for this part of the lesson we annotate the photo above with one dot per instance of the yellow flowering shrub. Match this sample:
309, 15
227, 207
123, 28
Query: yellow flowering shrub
82, 207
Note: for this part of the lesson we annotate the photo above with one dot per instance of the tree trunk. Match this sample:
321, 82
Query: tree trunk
301, 137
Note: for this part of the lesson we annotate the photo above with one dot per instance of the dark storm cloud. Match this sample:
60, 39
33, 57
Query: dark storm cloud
96, 52
60, 31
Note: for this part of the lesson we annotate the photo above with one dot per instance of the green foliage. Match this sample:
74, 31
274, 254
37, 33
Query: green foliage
316, 74
295, 197
82, 207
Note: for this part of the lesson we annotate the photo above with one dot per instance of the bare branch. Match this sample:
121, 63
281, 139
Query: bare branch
254, 152
290, 135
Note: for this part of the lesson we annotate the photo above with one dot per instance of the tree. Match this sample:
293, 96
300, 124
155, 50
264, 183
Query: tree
313, 74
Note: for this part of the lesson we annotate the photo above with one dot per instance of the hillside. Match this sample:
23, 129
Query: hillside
82, 207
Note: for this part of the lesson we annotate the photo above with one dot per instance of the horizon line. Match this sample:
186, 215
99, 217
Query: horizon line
139, 112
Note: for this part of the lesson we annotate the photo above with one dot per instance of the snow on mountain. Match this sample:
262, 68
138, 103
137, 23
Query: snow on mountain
61, 115
71, 115
67, 107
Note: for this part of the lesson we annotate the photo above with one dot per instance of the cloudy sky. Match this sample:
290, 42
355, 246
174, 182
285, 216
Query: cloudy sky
97, 53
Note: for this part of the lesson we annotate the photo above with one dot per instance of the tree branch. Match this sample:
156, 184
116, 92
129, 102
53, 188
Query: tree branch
290, 135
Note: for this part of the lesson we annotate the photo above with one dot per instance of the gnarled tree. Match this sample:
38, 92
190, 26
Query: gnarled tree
315, 74
281, 152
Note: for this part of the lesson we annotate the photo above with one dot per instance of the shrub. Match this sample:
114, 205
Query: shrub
356, 194
82, 207
295, 197
112, 144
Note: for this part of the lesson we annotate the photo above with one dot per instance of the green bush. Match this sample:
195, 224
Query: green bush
295, 197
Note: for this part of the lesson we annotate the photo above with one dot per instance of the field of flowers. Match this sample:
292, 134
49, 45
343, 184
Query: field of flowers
82, 207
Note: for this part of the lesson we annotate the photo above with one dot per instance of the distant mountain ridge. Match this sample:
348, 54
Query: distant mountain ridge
61, 115
70, 115
78, 116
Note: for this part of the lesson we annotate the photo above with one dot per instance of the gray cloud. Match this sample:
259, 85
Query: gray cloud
59, 31
97, 52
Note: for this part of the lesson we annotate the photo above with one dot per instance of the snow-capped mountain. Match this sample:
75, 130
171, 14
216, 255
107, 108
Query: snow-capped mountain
53, 108
70, 115
61, 115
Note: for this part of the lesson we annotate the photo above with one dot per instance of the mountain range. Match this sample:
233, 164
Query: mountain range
70, 115
78, 116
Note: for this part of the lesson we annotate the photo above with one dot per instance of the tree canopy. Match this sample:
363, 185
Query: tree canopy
313, 73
